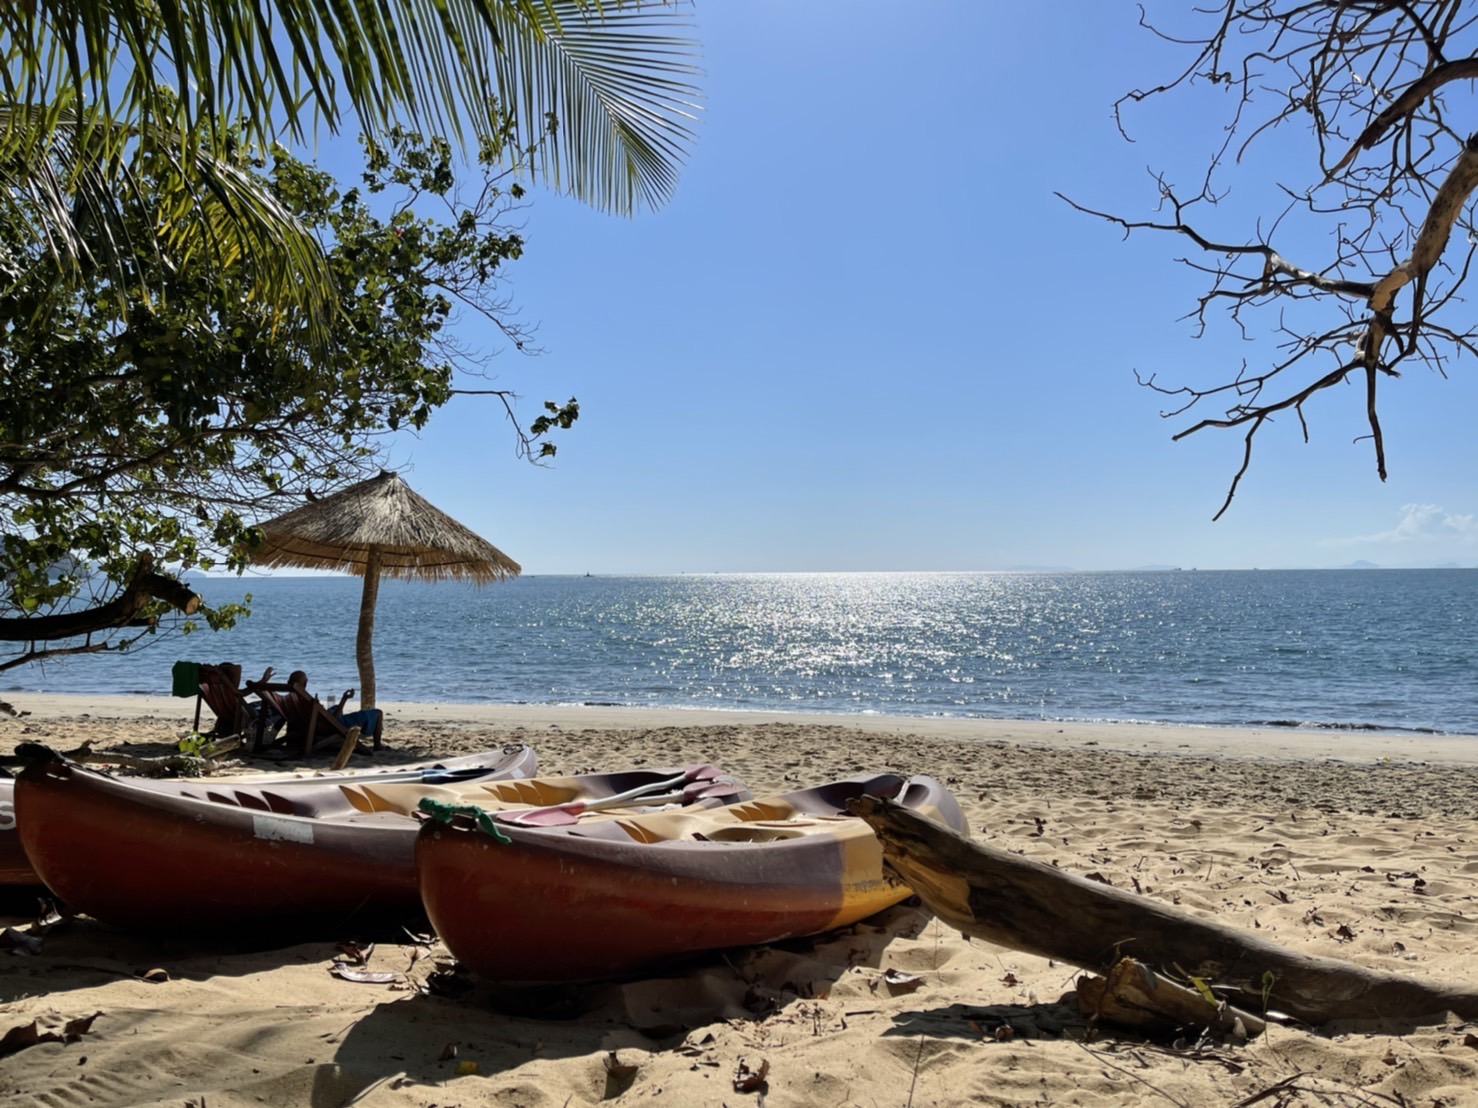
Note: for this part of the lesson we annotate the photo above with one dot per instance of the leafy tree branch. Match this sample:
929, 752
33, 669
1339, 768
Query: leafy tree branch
147, 431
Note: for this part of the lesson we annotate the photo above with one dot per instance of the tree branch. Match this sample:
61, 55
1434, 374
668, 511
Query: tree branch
123, 611
1416, 94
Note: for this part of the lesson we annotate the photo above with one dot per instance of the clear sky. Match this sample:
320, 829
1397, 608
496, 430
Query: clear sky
865, 335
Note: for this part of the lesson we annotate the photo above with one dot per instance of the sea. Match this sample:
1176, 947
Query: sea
1356, 650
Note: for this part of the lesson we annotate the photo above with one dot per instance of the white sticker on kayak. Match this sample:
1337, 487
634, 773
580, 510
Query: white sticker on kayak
278, 829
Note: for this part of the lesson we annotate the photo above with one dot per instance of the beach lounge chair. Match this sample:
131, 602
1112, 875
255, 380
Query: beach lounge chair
220, 688
304, 716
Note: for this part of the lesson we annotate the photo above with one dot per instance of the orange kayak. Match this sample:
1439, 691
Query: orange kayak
604, 897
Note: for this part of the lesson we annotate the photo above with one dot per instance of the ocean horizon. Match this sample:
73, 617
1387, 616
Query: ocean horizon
1351, 649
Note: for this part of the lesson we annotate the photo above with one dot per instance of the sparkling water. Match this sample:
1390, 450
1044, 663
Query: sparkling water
1376, 649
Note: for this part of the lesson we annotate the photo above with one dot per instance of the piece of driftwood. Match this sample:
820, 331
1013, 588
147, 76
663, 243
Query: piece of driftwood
170, 765
1032, 907
1133, 995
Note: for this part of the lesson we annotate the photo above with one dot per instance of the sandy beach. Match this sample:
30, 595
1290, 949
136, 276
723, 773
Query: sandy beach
1358, 846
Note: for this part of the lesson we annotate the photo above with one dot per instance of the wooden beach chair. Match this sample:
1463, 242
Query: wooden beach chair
220, 689
304, 716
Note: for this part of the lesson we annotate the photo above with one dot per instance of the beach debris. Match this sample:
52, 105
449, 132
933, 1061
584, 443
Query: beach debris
48, 916
1471, 1040
448, 1052
619, 1075
900, 982
748, 1080
24, 1035
354, 953
19, 942
466, 1067
26, 941
449, 980
364, 977
156, 976
197, 763
1133, 995
419, 938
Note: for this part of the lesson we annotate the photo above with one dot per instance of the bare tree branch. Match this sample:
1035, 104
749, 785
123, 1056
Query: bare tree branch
1373, 84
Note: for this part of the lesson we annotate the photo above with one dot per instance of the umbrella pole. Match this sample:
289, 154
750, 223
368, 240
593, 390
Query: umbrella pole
363, 649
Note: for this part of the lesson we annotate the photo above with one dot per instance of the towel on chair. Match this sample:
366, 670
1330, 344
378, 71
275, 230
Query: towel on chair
185, 679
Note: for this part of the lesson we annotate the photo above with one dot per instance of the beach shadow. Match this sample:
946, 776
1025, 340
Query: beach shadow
19, 903
423, 1040
81, 953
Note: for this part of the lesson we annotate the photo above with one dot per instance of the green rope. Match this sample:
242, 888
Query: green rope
443, 812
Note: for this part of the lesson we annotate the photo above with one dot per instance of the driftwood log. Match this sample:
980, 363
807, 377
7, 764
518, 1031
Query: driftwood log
170, 765
1032, 907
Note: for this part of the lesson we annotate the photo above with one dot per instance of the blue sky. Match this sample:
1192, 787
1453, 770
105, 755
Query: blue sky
865, 335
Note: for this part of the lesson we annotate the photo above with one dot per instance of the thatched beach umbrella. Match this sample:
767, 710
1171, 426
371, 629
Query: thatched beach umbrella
379, 527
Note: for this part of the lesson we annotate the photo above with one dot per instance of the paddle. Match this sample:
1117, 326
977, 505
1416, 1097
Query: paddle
704, 780
691, 794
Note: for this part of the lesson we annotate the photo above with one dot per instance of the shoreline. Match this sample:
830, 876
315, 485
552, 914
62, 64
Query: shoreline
1285, 744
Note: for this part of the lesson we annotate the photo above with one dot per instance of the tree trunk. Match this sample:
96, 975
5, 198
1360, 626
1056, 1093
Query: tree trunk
1032, 907
364, 649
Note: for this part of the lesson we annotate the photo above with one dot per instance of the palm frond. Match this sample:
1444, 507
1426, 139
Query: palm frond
620, 86
620, 95
65, 182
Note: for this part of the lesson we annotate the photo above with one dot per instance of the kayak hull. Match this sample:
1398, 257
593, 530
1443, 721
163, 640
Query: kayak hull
16, 869
614, 897
231, 854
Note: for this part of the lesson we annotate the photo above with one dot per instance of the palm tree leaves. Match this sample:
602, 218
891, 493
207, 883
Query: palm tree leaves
620, 94
602, 97
620, 87
66, 184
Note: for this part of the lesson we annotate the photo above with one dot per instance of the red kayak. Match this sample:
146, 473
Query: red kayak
242, 853
16, 869
587, 899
